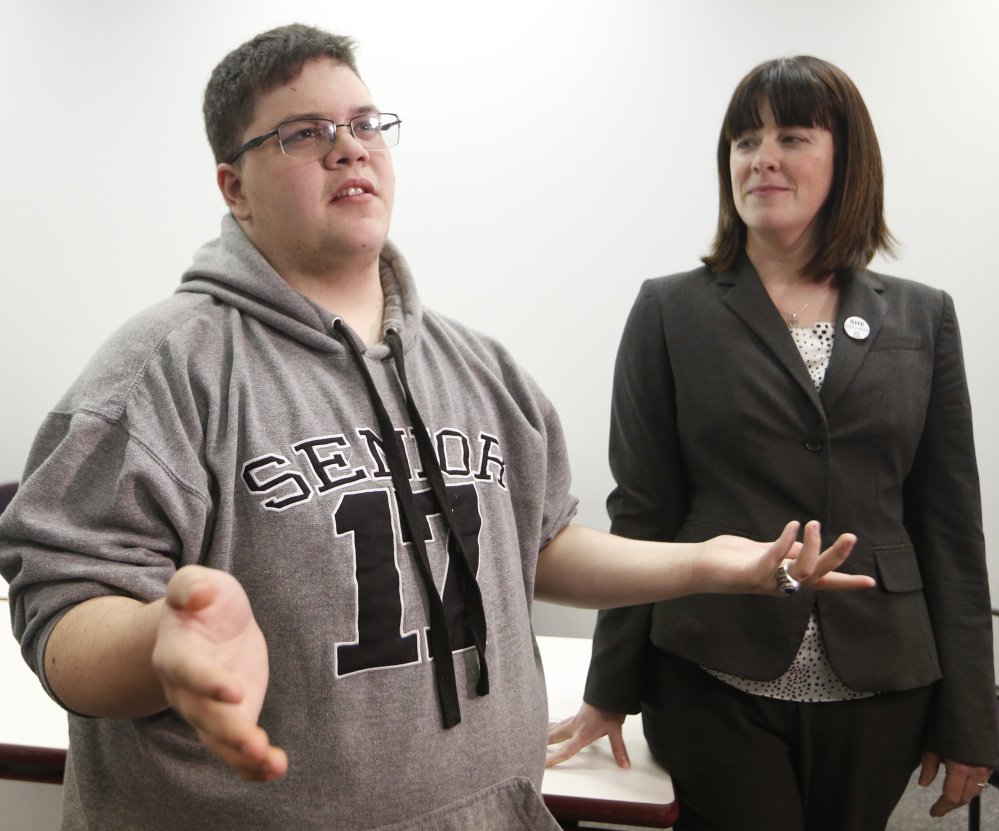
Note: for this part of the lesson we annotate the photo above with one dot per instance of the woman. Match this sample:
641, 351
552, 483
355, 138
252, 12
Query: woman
784, 379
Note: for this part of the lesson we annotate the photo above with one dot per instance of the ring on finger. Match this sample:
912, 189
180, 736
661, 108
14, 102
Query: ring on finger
785, 581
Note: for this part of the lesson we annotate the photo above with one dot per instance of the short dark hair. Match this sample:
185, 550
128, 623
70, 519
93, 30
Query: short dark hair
804, 91
270, 59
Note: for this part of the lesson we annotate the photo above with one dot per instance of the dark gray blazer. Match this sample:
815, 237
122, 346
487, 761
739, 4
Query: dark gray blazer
717, 429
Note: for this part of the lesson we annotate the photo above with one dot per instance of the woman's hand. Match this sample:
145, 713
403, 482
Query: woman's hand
584, 728
734, 565
962, 782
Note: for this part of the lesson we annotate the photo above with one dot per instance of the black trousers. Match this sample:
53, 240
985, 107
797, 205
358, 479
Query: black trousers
742, 762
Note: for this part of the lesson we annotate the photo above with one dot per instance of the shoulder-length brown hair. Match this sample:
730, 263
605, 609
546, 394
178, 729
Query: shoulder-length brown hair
808, 92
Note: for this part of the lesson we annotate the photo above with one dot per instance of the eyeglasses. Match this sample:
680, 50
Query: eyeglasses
313, 138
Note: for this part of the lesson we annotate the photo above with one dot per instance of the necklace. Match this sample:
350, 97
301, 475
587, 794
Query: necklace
792, 317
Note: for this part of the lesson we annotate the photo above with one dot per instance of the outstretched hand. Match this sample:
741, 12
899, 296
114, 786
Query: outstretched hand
211, 658
735, 564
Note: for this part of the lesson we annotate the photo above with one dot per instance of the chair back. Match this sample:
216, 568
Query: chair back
7, 491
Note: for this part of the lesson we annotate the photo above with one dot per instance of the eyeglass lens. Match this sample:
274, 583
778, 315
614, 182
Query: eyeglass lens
315, 136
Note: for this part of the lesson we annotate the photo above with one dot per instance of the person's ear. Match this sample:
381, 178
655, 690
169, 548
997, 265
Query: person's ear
230, 182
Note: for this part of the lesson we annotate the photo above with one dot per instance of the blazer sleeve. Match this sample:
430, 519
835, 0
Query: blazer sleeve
648, 500
944, 519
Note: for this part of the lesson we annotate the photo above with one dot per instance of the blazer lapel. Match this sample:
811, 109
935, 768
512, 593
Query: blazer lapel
860, 298
750, 301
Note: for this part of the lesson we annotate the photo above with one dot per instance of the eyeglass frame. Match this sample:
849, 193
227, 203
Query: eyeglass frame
258, 140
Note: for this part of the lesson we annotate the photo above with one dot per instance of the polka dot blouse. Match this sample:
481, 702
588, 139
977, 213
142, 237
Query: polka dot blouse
810, 677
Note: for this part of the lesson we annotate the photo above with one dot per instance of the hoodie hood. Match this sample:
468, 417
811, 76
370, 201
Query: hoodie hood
234, 272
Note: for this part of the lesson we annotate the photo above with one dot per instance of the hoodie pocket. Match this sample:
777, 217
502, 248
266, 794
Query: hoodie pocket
510, 805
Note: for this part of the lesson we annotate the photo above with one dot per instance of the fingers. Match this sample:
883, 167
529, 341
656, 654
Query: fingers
835, 555
191, 589
618, 747
588, 725
561, 731
274, 767
843, 582
571, 733
200, 678
231, 735
256, 760
566, 751
785, 547
222, 726
228, 729
816, 570
928, 769
810, 564
962, 783
941, 807
184, 670
579, 741
944, 805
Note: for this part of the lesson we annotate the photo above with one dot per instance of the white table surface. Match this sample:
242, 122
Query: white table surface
592, 773
27, 715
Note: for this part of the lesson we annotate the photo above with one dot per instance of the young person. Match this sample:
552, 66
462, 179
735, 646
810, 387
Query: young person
258, 534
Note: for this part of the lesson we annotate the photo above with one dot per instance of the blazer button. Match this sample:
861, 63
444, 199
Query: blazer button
813, 444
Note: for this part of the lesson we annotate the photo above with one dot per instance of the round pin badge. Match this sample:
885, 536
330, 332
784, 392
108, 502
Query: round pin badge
856, 328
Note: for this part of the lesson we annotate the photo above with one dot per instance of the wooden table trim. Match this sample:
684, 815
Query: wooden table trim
32, 764
578, 808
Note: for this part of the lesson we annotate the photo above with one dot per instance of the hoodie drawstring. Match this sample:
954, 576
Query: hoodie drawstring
471, 593
415, 522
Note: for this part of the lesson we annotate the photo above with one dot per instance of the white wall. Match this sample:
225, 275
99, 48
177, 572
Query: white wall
536, 222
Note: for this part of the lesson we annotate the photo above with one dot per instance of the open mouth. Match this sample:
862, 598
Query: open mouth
350, 190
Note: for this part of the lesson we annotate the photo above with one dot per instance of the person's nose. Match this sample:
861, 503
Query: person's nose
345, 148
767, 156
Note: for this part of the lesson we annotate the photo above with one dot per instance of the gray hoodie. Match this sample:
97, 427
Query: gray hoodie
231, 426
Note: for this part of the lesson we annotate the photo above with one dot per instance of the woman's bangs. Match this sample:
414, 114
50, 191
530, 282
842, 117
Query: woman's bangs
796, 97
